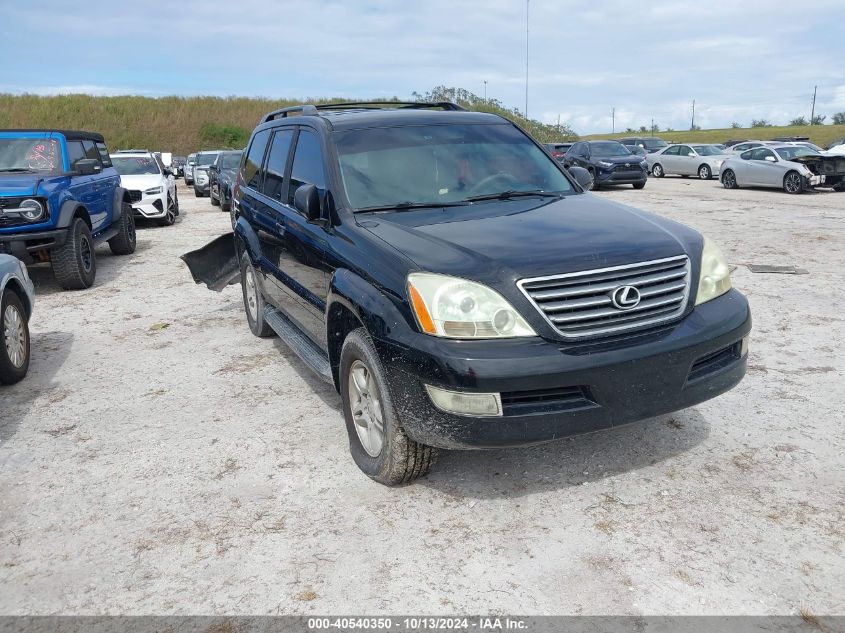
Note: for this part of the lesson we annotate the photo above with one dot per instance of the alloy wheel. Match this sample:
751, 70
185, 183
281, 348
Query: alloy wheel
85, 253
14, 336
792, 183
365, 405
251, 294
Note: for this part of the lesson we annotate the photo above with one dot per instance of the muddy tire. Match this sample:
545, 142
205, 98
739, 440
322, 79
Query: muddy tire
14, 338
378, 444
125, 241
75, 263
254, 303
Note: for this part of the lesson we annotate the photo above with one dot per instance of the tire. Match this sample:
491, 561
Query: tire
729, 179
657, 170
596, 185
793, 183
390, 457
74, 262
176, 201
704, 172
639, 185
215, 202
198, 193
254, 303
169, 218
125, 241
14, 338
224, 206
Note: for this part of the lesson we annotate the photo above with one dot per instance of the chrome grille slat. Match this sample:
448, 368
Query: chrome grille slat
579, 305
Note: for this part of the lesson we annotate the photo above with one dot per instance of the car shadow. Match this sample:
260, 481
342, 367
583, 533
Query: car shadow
323, 390
49, 351
515, 472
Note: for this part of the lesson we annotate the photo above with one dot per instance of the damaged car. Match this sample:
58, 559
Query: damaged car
793, 168
461, 290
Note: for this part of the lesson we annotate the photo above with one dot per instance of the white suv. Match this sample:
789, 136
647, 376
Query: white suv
151, 186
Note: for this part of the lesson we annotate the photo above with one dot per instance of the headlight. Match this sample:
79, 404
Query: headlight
457, 308
31, 209
604, 163
715, 278
154, 191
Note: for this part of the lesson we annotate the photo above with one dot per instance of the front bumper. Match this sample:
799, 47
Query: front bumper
613, 177
22, 245
151, 206
551, 390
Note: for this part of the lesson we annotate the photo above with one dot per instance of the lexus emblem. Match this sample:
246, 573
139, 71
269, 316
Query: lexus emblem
625, 297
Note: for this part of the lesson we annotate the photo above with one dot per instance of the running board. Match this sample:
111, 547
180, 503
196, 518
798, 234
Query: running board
301, 345
106, 235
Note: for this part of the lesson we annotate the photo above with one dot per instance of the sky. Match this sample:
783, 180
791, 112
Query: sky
754, 59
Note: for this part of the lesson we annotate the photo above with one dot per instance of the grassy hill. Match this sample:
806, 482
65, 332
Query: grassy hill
821, 135
187, 124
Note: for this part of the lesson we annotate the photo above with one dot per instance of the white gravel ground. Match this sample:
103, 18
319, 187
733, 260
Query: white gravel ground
194, 468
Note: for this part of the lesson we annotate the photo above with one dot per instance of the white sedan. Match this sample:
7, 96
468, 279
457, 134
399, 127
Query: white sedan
704, 161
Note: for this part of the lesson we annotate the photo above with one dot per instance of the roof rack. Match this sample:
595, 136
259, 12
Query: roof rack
312, 110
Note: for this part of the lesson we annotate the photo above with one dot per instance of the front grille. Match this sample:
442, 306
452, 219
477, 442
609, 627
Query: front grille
633, 167
11, 220
135, 196
580, 305
546, 400
715, 361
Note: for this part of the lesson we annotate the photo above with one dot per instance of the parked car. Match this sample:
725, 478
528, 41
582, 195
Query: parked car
17, 298
639, 150
151, 186
201, 179
190, 161
739, 148
178, 166
649, 143
59, 198
222, 174
609, 162
837, 143
793, 168
460, 290
557, 150
705, 161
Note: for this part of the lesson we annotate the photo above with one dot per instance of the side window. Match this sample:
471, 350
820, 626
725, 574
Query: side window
90, 150
759, 153
251, 170
277, 163
75, 153
766, 154
672, 151
104, 154
307, 164
683, 150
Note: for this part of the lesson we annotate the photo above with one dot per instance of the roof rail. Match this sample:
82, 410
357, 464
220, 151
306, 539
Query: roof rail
312, 110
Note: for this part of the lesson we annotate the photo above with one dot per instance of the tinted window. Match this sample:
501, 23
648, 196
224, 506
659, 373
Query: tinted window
251, 171
104, 154
90, 150
136, 165
277, 163
75, 153
608, 148
684, 150
307, 164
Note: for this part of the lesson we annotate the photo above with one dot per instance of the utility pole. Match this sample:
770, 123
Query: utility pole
613, 120
692, 123
527, 2
652, 126
558, 124
813, 112
485, 91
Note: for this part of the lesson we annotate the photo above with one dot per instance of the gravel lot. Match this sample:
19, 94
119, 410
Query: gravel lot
161, 459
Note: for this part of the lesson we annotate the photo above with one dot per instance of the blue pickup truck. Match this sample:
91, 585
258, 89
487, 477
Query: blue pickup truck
59, 198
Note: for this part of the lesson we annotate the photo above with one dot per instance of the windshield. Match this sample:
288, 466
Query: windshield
788, 153
609, 148
441, 164
206, 158
30, 154
230, 161
707, 150
135, 165
192, 159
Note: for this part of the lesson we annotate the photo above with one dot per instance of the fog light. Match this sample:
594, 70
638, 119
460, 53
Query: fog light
743, 348
481, 405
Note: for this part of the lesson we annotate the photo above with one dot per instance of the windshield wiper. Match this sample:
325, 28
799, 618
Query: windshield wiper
507, 195
15, 169
407, 206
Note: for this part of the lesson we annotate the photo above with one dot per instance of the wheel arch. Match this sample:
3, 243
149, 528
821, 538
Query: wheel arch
71, 210
15, 285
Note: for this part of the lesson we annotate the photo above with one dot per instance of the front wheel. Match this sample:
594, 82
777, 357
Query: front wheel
169, 218
14, 338
704, 172
792, 183
657, 171
377, 441
74, 262
729, 180
215, 200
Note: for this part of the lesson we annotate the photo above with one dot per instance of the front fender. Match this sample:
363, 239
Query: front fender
378, 313
118, 198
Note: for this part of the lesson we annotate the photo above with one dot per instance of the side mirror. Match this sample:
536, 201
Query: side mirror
306, 200
771, 159
87, 167
582, 177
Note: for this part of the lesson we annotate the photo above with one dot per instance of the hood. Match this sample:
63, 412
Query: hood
616, 160
516, 239
25, 184
142, 182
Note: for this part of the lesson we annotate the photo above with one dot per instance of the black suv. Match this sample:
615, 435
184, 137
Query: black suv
460, 290
609, 162
221, 178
